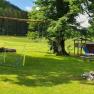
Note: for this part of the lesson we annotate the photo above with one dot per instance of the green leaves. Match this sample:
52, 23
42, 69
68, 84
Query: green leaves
62, 13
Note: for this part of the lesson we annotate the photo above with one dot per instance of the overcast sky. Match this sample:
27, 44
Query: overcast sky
23, 4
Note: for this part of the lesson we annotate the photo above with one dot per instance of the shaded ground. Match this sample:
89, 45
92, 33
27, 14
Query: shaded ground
39, 71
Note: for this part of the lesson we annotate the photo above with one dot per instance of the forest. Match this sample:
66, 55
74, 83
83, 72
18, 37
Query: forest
12, 27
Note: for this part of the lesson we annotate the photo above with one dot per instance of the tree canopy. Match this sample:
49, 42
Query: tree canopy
62, 22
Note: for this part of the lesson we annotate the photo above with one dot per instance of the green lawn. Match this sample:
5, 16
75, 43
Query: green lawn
43, 72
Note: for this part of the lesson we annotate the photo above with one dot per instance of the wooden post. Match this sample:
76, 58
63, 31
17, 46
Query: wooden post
85, 41
78, 50
23, 59
81, 48
74, 47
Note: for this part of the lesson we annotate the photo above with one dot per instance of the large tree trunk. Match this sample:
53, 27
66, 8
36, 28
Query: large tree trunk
58, 46
62, 45
62, 7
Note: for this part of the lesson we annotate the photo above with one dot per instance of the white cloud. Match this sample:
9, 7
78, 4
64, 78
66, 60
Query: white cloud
28, 8
83, 20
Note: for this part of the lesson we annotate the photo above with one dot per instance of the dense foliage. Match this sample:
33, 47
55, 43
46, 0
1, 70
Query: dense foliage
61, 19
60, 14
39, 26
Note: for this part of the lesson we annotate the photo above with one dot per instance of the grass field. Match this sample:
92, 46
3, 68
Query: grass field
43, 72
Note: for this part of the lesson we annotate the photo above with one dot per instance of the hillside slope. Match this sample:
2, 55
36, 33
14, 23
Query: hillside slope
11, 27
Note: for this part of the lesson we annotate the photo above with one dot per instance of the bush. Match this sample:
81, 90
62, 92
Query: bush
32, 35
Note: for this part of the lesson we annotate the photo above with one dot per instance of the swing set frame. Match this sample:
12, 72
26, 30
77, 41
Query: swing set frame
20, 20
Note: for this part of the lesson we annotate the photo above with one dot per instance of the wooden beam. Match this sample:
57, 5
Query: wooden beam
19, 19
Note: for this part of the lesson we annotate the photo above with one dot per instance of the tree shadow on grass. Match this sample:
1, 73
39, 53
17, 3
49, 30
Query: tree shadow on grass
46, 71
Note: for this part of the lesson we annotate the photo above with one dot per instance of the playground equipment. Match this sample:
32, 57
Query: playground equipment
7, 52
3, 49
11, 57
78, 45
84, 45
89, 53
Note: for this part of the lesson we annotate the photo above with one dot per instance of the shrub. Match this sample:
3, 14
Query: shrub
32, 35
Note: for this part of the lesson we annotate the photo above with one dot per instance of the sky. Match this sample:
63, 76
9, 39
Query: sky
23, 4
83, 20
